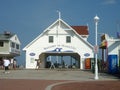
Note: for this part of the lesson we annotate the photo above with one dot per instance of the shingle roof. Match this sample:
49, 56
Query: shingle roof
5, 36
81, 30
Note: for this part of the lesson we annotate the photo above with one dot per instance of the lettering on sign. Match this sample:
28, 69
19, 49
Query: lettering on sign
66, 46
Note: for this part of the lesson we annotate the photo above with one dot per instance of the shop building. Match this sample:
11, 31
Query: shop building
58, 41
110, 52
9, 45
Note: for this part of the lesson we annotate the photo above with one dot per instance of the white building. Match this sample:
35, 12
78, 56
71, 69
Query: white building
59, 40
110, 51
9, 45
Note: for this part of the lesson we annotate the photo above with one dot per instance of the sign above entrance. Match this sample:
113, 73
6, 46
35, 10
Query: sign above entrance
61, 46
58, 50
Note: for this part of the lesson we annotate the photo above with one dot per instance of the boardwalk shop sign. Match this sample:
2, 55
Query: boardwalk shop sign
66, 46
86, 54
32, 54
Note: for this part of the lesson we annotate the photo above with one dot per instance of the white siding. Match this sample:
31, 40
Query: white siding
41, 44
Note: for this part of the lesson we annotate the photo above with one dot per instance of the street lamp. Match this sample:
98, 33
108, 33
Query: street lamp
96, 19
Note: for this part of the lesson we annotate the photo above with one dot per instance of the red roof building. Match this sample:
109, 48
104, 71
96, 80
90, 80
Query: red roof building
81, 30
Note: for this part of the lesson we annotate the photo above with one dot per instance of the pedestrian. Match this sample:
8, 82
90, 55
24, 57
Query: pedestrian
38, 64
11, 63
6, 65
14, 64
1, 64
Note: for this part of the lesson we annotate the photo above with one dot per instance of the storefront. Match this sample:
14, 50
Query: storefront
110, 52
60, 45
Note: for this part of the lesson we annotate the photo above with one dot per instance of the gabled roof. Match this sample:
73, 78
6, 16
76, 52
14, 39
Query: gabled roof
81, 30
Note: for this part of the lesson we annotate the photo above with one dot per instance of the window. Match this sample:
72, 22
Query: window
13, 45
1, 44
68, 39
50, 39
17, 46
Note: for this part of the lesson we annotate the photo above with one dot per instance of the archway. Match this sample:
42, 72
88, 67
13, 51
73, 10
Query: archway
60, 60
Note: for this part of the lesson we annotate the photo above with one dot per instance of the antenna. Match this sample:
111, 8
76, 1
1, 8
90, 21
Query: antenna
59, 13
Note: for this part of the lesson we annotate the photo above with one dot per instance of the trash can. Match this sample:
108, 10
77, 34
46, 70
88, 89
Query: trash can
112, 64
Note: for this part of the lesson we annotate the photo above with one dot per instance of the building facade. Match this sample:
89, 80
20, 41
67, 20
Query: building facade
110, 52
9, 45
60, 40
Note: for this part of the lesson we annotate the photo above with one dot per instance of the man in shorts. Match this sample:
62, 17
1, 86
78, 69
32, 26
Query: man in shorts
6, 65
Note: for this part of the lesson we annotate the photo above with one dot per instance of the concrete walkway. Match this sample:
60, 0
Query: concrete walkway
47, 74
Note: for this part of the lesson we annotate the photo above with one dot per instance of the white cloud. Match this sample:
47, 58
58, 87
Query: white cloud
106, 2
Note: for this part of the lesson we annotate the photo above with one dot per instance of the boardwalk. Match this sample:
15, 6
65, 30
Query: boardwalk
48, 79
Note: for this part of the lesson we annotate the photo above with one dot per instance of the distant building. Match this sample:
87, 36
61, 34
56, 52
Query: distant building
60, 40
9, 45
110, 51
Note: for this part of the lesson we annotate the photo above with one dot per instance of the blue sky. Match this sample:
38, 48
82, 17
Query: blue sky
28, 18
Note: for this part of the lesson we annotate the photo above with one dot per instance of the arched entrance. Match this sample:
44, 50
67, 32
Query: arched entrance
60, 60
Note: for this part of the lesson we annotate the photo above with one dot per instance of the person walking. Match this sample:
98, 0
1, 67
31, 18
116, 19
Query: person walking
14, 64
38, 64
6, 65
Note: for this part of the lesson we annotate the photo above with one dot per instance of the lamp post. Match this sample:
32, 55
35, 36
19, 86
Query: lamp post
96, 19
